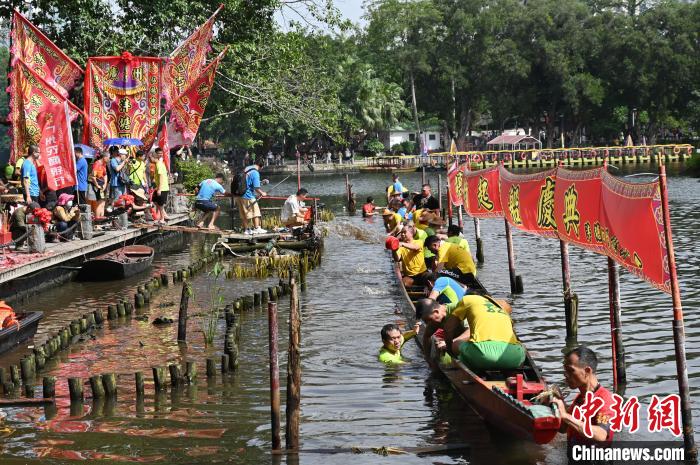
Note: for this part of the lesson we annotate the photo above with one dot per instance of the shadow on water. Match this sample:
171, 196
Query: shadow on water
348, 398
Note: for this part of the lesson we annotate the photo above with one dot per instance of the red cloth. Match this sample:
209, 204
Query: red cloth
368, 208
601, 418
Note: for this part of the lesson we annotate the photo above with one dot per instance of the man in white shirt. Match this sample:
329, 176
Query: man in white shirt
293, 210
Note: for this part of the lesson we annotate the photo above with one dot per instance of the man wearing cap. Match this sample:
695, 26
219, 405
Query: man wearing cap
204, 201
136, 211
81, 171
65, 215
120, 158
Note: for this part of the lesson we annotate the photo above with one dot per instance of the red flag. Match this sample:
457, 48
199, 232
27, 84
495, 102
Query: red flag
457, 184
186, 62
41, 116
528, 201
186, 113
122, 99
42, 56
482, 193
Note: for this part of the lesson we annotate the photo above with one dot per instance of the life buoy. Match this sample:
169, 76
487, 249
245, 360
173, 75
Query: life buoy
593, 153
606, 153
506, 157
476, 158
523, 156
689, 151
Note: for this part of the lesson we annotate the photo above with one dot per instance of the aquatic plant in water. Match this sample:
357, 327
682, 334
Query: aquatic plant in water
210, 321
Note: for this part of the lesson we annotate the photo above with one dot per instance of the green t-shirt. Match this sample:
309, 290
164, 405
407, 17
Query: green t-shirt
387, 356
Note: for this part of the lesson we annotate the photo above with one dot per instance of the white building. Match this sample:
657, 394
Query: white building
407, 132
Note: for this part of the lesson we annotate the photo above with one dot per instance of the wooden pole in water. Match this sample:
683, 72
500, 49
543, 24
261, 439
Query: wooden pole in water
691, 452
618, 349
479, 242
274, 375
182, 316
511, 260
75, 389
298, 171
293, 371
440, 196
570, 307
422, 174
449, 203
49, 387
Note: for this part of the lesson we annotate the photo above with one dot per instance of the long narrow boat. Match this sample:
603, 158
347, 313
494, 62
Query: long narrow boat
16, 334
502, 397
117, 264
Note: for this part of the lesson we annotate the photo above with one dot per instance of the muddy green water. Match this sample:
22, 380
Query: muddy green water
348, 398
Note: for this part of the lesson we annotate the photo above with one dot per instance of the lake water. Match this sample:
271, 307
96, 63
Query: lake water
348, 398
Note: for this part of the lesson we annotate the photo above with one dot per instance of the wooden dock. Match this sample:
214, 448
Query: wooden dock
230, 235
63, 252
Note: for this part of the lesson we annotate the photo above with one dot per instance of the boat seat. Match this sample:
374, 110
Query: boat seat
521, 387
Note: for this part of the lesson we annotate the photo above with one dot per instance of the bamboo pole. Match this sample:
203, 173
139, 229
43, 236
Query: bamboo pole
477, 234
511, 260
618, 349
449, 203
678, 328
293, 371
439, 189
182, 316
274, 375
570, 306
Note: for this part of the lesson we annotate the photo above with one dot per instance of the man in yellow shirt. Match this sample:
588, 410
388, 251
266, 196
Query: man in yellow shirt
489, 342
160, 198
410, 254
393, 341
452, 260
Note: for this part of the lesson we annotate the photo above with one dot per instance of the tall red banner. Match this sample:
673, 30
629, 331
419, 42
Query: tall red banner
41, 116
43, 56
457, 185
632, 229
185, 64
122, 98
529, 201
483, 195
186, 114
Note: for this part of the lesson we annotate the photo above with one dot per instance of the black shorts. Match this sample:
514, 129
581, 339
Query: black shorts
161, 199
420, 279
206, 205
457, 274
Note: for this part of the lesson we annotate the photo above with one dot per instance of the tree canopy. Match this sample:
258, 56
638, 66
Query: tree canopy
588, 67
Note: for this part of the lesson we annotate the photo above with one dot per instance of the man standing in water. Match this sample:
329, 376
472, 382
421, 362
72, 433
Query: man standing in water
393, 341
580, 373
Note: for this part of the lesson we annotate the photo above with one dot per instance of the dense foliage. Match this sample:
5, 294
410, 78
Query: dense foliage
588, 67
193, 172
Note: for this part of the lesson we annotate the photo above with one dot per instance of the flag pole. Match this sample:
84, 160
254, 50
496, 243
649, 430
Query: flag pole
678, 328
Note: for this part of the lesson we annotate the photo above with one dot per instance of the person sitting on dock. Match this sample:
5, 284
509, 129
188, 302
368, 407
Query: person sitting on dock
580, 366
66, 216
140, 206
452, 260
294, 211
204, 202
393, 342
18, 223
454, 236
368, 208
409, 252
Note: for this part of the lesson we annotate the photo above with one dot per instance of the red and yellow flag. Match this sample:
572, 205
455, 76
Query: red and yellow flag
186, 113
122, 99
42, 56
185, 64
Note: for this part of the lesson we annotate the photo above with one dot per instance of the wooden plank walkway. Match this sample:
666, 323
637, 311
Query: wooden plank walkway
58, 253
225, 233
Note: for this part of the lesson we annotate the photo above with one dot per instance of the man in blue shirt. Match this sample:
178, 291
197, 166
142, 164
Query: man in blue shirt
248, 203
81, 171
120, 158
30, 178
204, 202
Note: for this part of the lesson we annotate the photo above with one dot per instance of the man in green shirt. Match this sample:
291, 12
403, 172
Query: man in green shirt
137, 171
454, 236
393, 342
18, 222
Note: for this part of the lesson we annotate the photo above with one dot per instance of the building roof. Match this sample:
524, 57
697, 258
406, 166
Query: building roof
513, 140
411, 127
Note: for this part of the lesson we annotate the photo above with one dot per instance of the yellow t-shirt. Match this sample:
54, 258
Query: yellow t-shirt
487, 321
162, 176
412, 261
453, 256
459, 241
